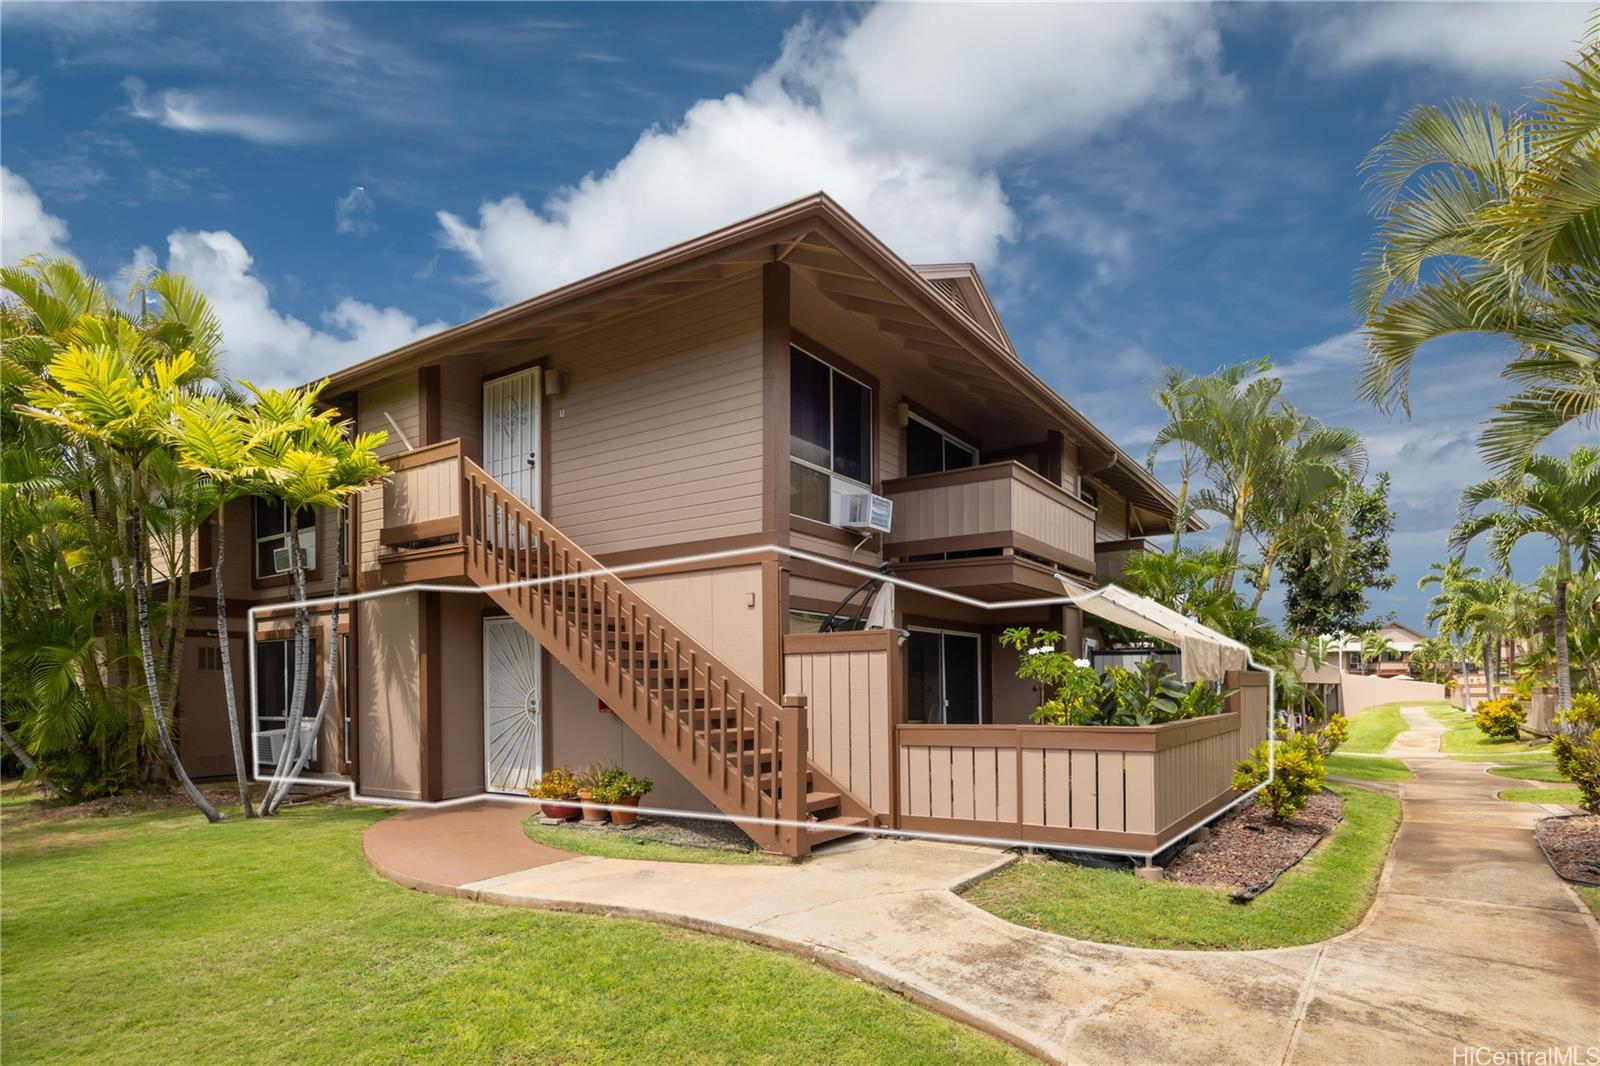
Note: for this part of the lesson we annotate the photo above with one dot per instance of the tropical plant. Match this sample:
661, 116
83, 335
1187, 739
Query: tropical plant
1551, 498
1489, 226
557, 783
1374, 647
615, 784
1291, 773
110, 388
1501, 717
1448, 610
1576, 746
312, 459
1328, 572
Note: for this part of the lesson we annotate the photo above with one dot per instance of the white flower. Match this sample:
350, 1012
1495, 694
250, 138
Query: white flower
1082, 662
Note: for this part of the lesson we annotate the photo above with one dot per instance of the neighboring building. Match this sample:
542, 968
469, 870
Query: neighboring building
1393, 664
745, 389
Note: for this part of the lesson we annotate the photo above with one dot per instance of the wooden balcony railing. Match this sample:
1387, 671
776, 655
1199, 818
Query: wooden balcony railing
422, 498
997, 506
1110, 556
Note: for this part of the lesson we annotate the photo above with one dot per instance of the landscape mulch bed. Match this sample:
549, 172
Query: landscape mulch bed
1572, 844
1247, 850
682, 832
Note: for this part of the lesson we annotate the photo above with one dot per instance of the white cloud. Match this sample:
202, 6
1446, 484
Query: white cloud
899, 117
264, 344
195, 112
352, 212
1505, 41
26, 228
18, 94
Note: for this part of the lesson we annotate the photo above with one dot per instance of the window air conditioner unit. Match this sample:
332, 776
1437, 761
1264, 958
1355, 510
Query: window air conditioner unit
863, 512
270, 743
280, 559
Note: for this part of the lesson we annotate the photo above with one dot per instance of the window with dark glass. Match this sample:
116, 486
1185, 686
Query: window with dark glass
943, 673
928, 450
830, 434
275, 683
272, 537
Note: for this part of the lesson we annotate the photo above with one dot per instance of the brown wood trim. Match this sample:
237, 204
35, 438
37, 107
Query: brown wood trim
1128, 545
412, 532
1044, 834
1185, 823
428, 395
830, 643
425, 455
774, 623
425, 564
1144, 738
1244, 679
823, 531
679, 549
542, 362
999, 540
775, 341
430, 680
1050, 457
943, 425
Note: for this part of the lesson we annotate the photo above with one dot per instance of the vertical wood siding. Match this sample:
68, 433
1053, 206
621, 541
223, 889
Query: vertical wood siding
849, 707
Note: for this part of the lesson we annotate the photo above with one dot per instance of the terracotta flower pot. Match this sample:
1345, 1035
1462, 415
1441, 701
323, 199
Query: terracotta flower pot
591, 813
561, 812
625, 817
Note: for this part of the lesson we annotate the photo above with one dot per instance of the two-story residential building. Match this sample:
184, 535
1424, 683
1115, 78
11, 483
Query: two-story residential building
683, 417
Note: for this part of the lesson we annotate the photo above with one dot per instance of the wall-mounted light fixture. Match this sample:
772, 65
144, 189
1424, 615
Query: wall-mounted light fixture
553, 383
902, 414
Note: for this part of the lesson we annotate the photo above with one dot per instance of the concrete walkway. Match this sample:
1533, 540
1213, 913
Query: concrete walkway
1472, 941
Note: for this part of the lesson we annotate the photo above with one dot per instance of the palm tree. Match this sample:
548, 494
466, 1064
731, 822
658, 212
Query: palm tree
1374, 646
111, 389
1552, 498
1448, 610
1490, 611
312, 459
1489, 226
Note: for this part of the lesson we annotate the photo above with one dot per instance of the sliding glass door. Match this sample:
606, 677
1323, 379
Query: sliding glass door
944, 671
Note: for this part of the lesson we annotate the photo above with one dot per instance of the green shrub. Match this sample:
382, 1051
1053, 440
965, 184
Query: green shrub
614, 783
1298, 773
558, 783
1499, 717
1576, 746
1076, 695
1333, 734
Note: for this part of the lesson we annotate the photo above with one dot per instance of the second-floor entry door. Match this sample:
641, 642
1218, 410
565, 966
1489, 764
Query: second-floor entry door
511, 413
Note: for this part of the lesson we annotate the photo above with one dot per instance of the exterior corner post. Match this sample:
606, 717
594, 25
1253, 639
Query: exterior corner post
791, 756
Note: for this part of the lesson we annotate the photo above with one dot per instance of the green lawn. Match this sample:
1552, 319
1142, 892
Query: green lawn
1323, 896
1463, 738
625, 846
1591, 896
1568, 796
1374, 729
1530, 771
155, 938
1368, 768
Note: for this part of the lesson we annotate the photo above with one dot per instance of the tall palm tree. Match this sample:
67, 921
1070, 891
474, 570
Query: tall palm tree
1552, 498
1491, 224
1448, 609
1374, 646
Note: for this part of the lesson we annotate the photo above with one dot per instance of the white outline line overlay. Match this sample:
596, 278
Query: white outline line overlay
723, 556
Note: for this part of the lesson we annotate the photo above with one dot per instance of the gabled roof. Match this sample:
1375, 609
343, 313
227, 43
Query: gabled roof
799, 232
960, 283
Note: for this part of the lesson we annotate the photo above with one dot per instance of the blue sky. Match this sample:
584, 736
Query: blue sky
1140, 184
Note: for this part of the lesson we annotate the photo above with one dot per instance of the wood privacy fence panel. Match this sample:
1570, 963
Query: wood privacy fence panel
1133, 787
847, 679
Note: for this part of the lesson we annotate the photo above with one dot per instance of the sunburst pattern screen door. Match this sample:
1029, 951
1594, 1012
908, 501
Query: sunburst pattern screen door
513, 733
511, 432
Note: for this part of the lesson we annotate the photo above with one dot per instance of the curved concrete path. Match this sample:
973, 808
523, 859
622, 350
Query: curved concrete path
1472, 941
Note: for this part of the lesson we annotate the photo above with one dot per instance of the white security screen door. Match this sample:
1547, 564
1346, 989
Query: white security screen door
511, 456
513, 732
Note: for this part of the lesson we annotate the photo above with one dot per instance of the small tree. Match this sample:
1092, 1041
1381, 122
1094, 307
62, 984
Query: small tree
313, 460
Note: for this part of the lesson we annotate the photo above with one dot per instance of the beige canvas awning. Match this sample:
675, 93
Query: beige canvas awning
1206, 655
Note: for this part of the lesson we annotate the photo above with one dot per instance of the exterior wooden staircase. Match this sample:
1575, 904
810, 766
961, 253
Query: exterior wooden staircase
744, 750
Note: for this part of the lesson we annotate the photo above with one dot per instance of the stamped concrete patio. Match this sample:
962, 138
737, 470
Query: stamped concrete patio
1472, 940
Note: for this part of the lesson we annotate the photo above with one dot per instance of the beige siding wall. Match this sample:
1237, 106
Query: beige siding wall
390, 704
1112, 521
721, 609
656, 437
204, 740
1014, 698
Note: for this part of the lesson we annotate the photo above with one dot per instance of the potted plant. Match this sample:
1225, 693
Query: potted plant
591, 792
557, 784
621, 789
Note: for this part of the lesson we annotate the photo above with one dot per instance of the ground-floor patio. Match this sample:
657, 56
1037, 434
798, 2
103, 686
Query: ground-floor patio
1472, 940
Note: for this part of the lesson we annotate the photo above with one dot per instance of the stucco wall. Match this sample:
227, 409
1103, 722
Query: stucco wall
390, 721
1357, 692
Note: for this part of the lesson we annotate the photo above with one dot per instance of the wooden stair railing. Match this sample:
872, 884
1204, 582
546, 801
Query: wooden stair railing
743, 750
